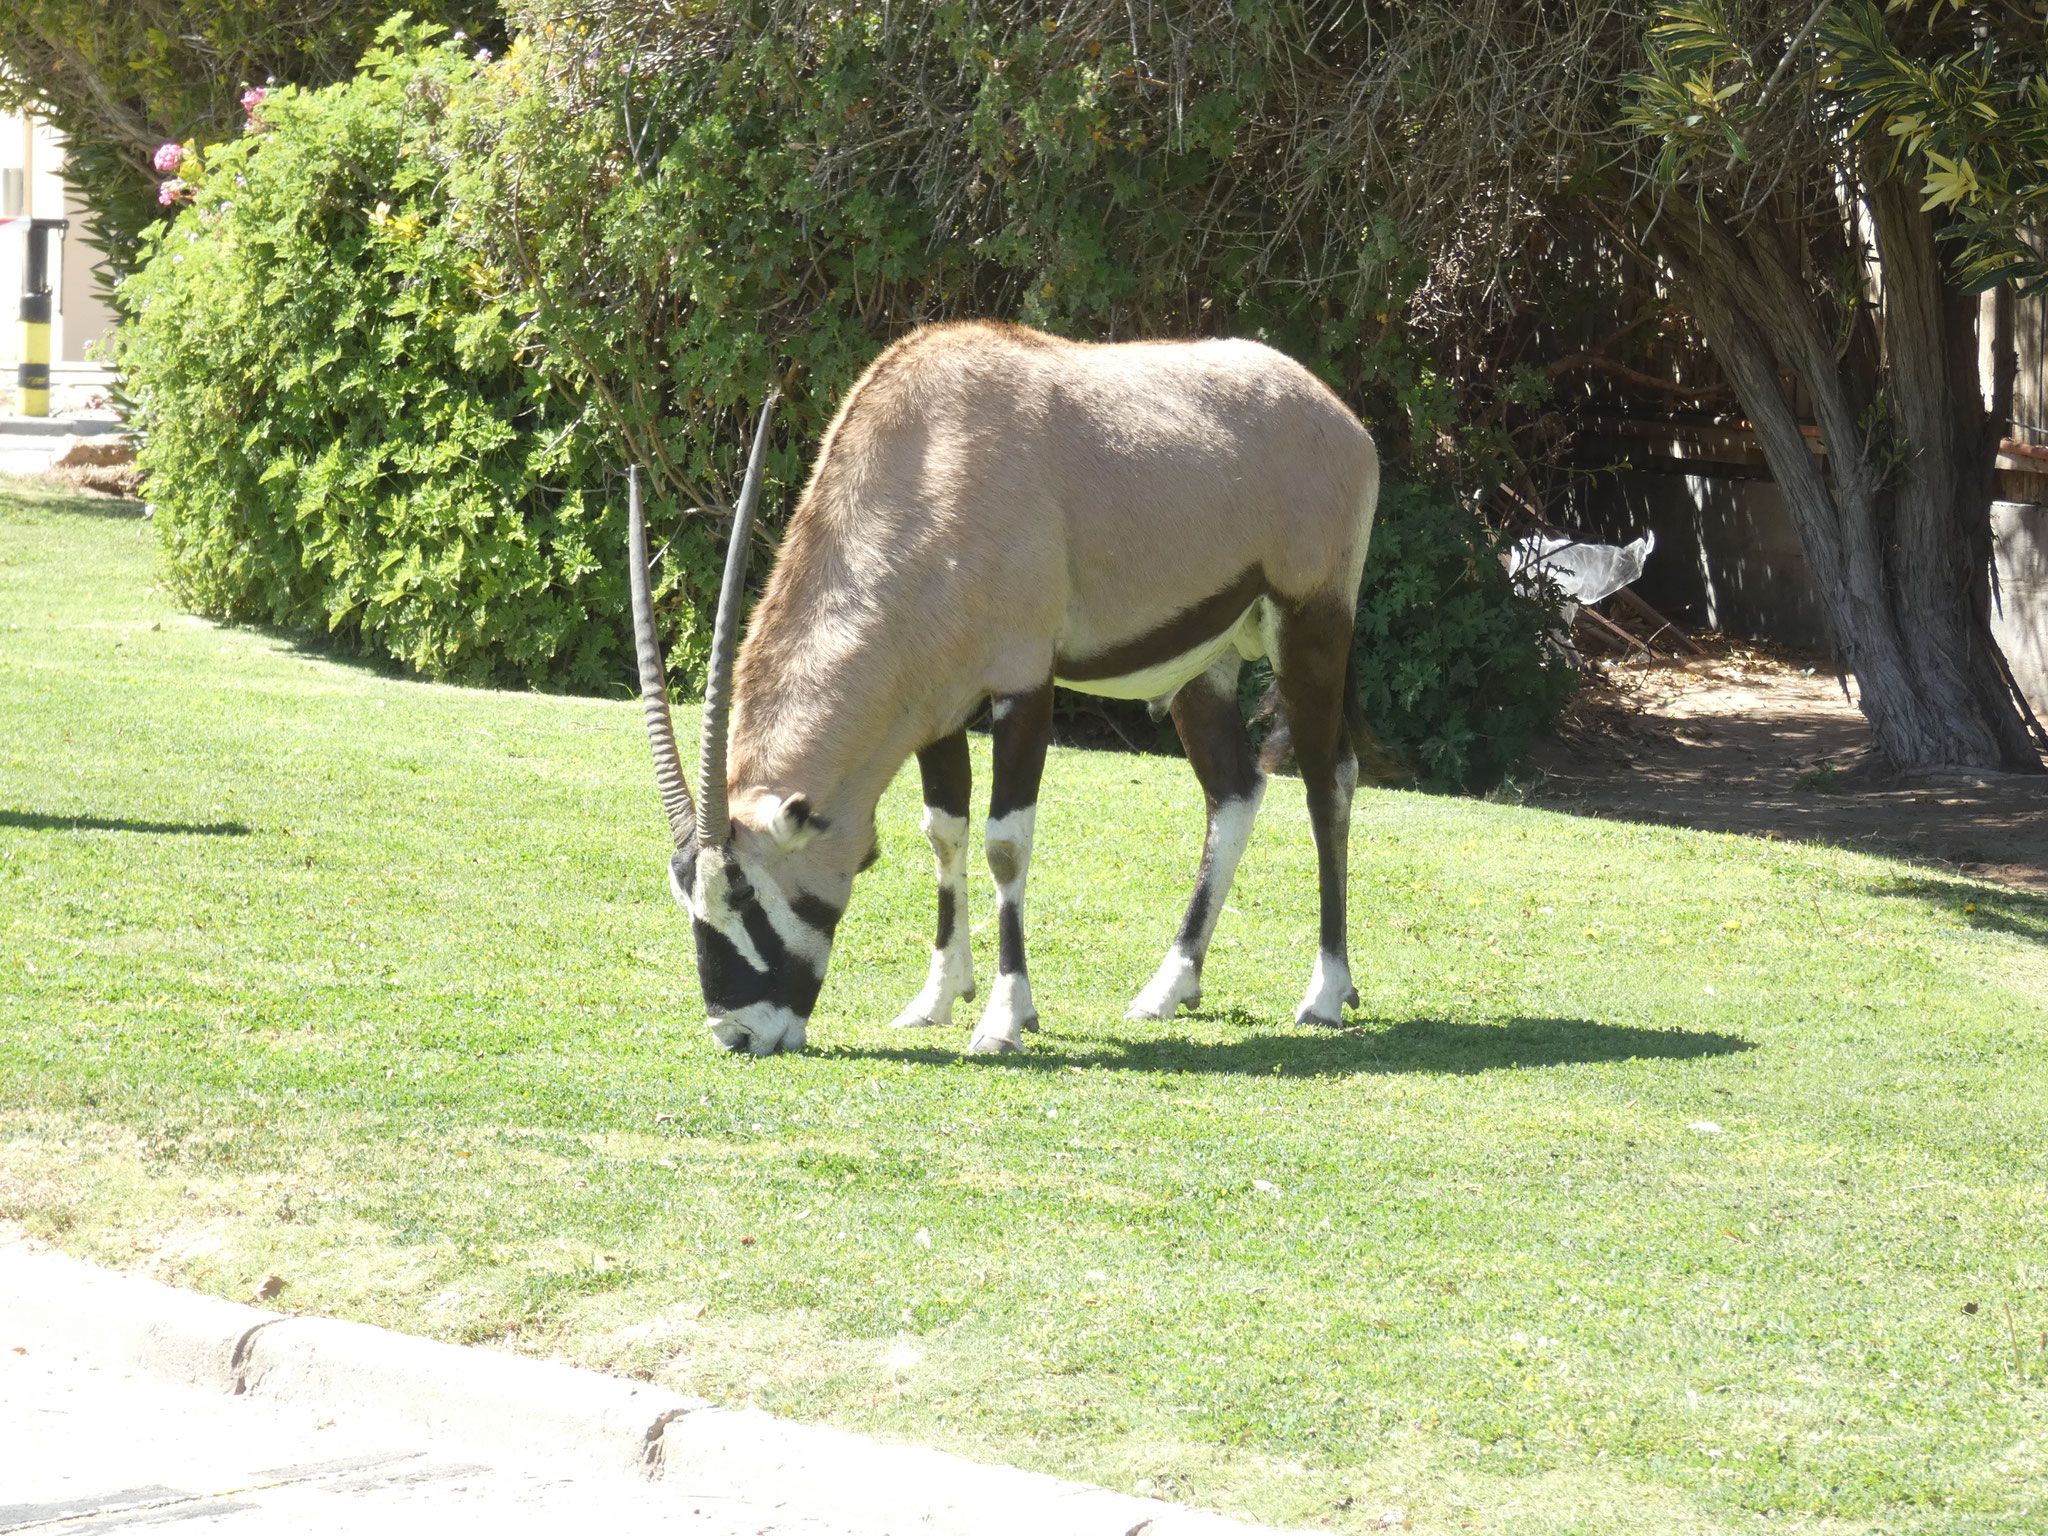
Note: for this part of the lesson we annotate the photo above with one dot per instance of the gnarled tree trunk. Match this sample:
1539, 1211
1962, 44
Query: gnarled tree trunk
1896, 519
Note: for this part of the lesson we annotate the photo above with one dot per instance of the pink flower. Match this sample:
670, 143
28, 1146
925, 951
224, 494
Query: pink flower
252, 99
170, 191
169, 157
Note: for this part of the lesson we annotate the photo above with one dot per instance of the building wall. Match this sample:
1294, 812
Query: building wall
34, 155
2019, 614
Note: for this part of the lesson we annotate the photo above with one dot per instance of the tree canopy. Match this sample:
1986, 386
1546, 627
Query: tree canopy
1474, 218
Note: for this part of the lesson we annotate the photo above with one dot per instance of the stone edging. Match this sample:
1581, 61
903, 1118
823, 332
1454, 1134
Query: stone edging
526, 1407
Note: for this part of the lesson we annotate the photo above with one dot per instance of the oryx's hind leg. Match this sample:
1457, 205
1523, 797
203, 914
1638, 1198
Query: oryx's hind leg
947, 781
1022, 732
1211, 727
1313, 667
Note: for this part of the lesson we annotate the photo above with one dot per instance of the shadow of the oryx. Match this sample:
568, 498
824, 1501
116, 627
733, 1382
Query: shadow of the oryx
1407, 1045
43, 821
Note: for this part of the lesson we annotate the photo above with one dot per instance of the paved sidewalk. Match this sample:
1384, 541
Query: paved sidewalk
94, 1449
126, 1403
28, 444
23, 453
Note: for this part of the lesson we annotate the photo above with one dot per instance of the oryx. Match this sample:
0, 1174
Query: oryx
994, 511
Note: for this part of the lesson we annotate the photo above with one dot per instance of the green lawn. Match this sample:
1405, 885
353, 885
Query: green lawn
377, 986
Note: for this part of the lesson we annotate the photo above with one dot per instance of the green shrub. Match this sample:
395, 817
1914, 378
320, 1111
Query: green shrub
340, 431
1452, 668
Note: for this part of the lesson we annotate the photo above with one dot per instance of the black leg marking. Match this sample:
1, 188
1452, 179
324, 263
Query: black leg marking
1009, 940
948, 781
948, 784
1211, 727
1212, 730
1023, 731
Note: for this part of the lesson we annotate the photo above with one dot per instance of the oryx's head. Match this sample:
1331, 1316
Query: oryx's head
762, 918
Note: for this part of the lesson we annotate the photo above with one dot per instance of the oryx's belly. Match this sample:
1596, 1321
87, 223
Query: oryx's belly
1249, 635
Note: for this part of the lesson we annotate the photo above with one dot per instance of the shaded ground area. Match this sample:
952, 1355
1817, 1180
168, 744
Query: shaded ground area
1765, 743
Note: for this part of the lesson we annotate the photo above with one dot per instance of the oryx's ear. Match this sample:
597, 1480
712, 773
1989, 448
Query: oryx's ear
792, 823
787, 821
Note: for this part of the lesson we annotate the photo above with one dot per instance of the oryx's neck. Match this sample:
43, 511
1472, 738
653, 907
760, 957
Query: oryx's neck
834, 690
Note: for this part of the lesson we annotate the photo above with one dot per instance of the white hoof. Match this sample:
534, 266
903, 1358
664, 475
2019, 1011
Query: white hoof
930, 1009
1177, 984
1334, 1020
1008, 1015
950, 980
1329, 993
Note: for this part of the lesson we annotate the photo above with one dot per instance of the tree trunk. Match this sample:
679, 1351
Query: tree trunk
1896, 521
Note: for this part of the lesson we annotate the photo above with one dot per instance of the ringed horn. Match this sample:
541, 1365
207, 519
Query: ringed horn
711, 826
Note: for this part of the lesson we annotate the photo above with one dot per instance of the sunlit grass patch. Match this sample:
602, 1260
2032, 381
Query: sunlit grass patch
1647, 1191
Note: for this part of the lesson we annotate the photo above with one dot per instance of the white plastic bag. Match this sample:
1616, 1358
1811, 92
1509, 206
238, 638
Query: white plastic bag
1583, 573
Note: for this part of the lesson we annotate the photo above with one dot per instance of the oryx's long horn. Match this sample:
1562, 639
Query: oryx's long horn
661, 730
715, 826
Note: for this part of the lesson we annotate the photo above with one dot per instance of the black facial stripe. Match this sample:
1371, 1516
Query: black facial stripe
730, 983
816, 912
767, 942
946, 917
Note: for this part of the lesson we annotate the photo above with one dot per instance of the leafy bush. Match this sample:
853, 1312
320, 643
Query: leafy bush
340, 431
1452, 668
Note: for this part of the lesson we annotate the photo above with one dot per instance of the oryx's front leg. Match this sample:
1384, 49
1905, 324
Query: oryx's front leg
1023, 730
947, 780
1211, 727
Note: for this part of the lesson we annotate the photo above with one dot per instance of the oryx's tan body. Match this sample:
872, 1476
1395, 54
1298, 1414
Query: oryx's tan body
994, 507
994, 510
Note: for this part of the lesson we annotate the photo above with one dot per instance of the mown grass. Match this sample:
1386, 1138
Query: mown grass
375, 985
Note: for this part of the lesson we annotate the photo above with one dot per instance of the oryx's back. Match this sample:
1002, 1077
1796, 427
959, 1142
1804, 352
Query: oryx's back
1120, 443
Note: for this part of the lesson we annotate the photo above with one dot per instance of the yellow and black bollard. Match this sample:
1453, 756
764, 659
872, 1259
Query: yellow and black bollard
33, 378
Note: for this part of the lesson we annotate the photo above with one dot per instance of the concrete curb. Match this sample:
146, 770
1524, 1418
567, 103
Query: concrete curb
57, 426
540, 1409
532, 1407
828, 1473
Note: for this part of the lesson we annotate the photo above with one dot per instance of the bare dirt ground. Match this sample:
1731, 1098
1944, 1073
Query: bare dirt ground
1766, 744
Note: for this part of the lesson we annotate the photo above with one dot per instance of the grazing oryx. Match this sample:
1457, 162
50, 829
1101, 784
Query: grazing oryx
994, 511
